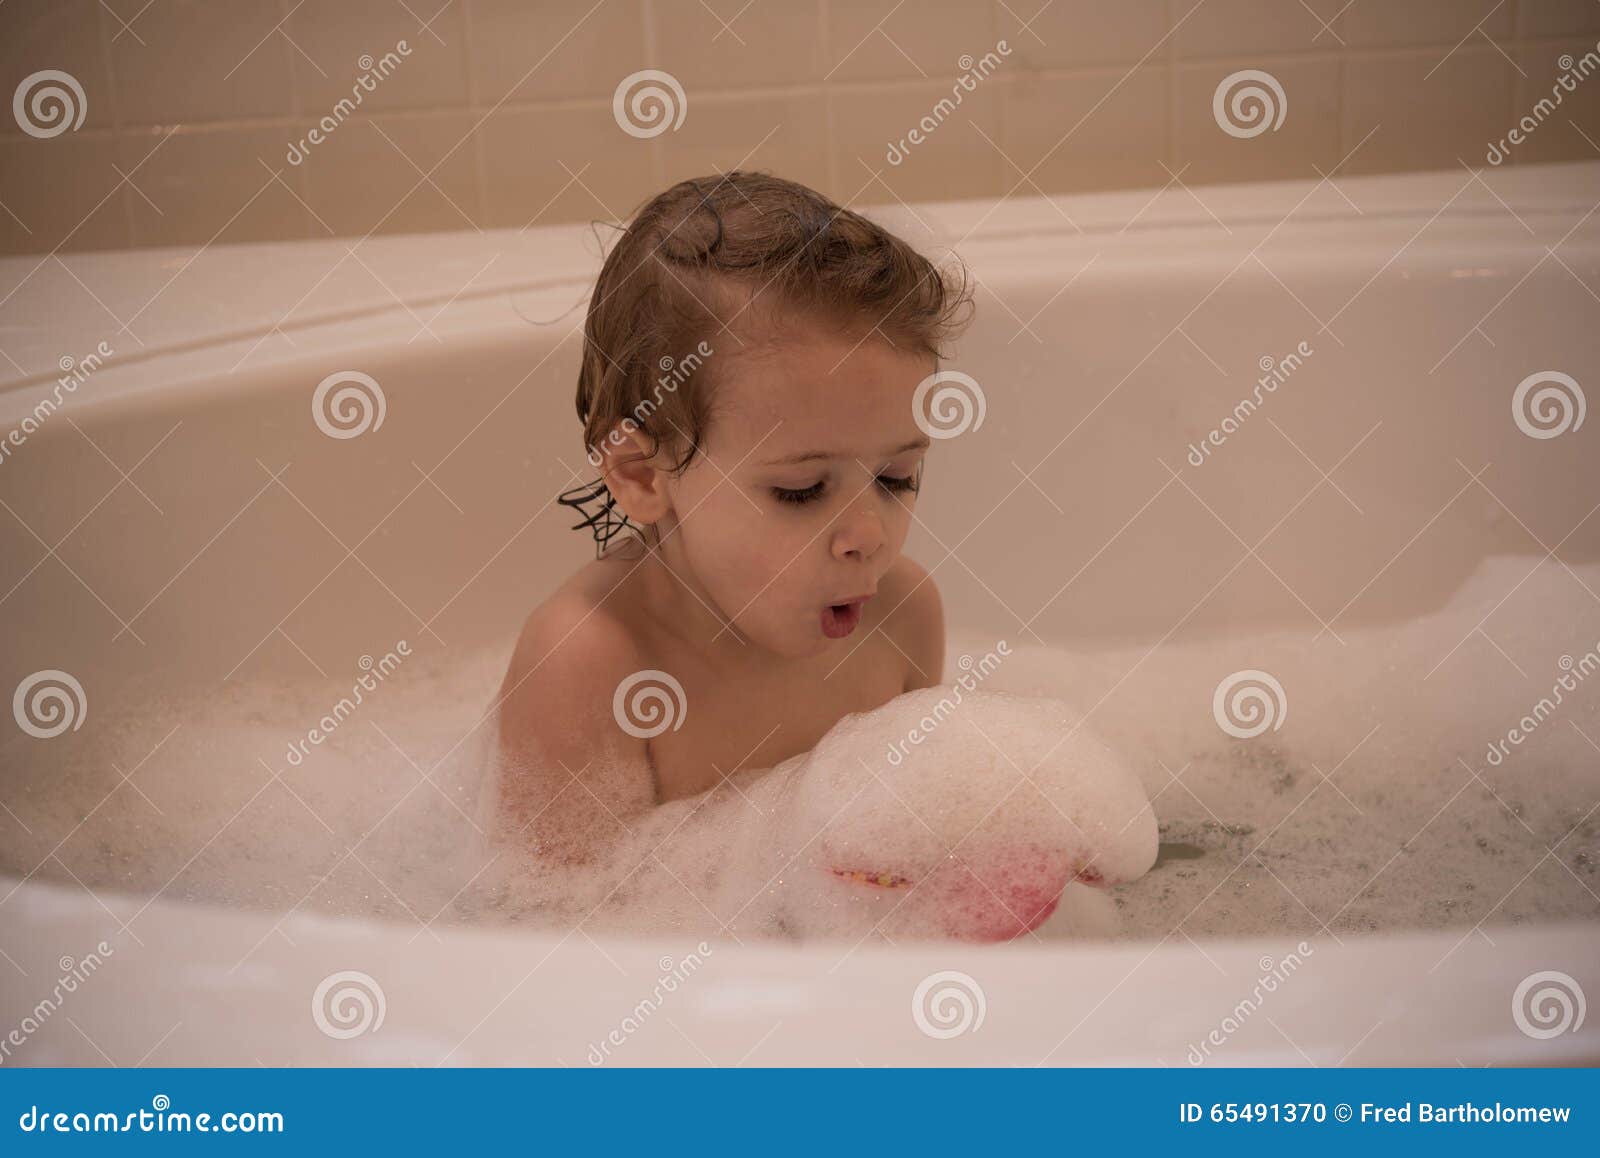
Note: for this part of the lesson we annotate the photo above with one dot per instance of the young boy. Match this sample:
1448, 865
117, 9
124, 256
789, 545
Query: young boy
751, 355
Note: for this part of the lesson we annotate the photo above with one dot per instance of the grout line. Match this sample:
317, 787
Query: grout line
480, 153
647, 28
116, 130
830, 128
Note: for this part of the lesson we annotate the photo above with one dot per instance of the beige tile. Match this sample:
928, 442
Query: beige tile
1551, 132
1075, 33
56, 191
1307, 140
1427, 114
199, 60
1390, 23
1236, 27
414, 55
952, 160
1089, 130
378, 174
1558, 18
546, 165
914, 39
523, 52
63, 35
206, 184
785, 134
723, 44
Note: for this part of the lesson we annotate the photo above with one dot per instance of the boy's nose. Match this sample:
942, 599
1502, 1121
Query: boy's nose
858, 535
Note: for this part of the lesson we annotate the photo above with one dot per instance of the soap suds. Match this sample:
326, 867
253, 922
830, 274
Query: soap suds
1372, 807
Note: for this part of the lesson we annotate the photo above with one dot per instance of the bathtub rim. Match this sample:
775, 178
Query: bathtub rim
1464, 1018
552, 266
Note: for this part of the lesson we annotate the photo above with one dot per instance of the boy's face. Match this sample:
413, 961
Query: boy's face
775, 539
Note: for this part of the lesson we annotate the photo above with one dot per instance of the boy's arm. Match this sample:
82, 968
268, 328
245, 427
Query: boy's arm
566, 775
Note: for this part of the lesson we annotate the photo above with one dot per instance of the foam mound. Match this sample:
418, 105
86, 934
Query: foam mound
940, 814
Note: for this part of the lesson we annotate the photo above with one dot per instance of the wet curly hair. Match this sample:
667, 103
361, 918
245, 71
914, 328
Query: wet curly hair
708, 253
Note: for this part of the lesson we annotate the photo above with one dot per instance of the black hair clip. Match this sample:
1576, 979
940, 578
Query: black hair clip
605, 521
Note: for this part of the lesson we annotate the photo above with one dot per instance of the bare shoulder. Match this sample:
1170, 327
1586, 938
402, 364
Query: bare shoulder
570, 646
914, 620
556, 724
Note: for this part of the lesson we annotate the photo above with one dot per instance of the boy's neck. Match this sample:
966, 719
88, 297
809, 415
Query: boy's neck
686, 612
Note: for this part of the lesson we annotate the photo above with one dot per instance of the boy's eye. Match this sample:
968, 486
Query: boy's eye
804, 495
808, 494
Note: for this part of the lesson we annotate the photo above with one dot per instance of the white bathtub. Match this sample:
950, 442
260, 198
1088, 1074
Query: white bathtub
1412, 561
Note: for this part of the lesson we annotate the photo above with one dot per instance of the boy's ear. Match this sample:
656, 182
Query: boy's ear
634, 475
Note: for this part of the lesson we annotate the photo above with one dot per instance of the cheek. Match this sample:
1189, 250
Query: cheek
738, 548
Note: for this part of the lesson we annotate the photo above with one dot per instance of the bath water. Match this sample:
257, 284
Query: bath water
1367, 799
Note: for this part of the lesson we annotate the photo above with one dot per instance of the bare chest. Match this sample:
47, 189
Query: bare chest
730, 726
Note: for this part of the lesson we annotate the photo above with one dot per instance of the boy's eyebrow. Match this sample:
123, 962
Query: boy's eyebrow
807, 456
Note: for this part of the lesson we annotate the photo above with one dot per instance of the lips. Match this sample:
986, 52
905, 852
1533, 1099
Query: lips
840, 619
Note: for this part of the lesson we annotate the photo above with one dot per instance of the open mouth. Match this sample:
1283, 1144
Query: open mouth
840, 619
